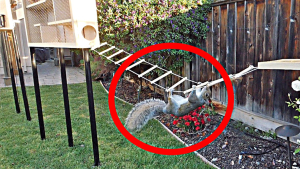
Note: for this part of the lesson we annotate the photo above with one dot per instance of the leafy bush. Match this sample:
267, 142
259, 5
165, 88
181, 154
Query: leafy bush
133, 25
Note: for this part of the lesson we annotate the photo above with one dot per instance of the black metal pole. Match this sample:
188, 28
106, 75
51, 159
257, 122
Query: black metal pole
289, 151
91, 106
37, 93
21, 76
12, 76
66, 96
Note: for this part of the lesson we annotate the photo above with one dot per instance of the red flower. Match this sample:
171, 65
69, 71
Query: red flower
203, 106
194, 119
197, 124
187, 123
185, 117
199, 108
195, 113
175, 122
174, 131
202, 121
201, 116
180, 118
172, 115
176, 117
206, 115
189, 117
197, 128
208, 119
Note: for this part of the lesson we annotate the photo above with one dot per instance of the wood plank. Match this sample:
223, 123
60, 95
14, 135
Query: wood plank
240, 55
296, 53
292, 41
282, 83
269, 44
223, 28
250, 33
257, 82
230, 41
206, 67
216, 50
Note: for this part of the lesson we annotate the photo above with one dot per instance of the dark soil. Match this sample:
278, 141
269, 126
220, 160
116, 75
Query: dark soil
236, 140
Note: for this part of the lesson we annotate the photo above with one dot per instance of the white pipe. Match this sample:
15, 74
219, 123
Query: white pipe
147, 71
115, 54
160, 77
178, 83
137, 63
119, 61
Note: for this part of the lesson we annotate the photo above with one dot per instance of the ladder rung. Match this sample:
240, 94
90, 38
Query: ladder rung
111, 48
178, 83
160, 77
115, 54
198, 86
122, 60
102, 44
147, 71
137, 63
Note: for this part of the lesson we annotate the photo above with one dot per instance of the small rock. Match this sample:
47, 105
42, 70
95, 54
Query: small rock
257, 163
262, 159
256, 130
246, 128
283, 162
232, 162
223, 146
273, 162
12, 163
82, 145
214, 159
294, 163
279, 161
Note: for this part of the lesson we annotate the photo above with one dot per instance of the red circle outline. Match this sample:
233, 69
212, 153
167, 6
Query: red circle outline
164, 151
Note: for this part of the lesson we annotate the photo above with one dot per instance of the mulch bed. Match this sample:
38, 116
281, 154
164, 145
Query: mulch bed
236, 140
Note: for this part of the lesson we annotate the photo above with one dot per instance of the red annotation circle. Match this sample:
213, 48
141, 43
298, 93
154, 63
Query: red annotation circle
164, 151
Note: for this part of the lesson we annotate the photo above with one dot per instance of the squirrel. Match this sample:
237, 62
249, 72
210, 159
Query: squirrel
177, 105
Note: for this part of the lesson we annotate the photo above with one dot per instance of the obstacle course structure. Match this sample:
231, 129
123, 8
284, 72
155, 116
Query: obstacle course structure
59, 24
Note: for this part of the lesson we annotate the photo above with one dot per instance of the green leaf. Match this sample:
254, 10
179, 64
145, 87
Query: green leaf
296, 117
297, 150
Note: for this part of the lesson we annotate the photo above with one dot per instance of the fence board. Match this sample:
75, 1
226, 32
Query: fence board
206, 75
216, 50
222, 59
240, 54
250, 25
257, 82
281, 83
268, 76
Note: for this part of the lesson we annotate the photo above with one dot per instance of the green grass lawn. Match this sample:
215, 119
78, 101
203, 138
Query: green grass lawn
21, 146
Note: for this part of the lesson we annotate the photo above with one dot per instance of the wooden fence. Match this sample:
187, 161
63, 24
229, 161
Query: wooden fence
243, 33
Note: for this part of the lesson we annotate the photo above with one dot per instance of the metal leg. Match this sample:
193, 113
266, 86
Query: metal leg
289, 151
13, 82
37, 94
66, 96
21, 77
91, 106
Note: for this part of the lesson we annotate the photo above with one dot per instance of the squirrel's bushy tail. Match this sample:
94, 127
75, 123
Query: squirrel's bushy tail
142, 113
